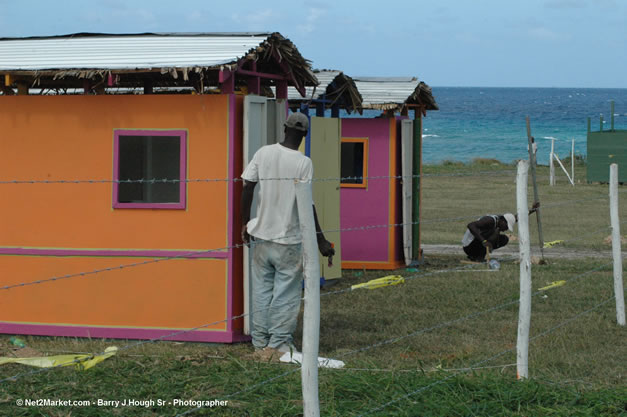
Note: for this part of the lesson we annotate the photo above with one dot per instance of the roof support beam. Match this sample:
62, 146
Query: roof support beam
22, 88
226, 78
281, 89
319, 108
260, 74
254, 81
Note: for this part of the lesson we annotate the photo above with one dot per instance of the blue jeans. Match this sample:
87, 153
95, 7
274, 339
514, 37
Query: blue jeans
277, 273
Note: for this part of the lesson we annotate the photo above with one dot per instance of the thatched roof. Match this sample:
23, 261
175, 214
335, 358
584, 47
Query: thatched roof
395, 93
335, 88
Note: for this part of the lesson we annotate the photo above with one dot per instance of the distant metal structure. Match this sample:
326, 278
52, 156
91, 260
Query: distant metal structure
606, 147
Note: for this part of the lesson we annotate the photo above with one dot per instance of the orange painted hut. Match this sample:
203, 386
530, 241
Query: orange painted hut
117, 160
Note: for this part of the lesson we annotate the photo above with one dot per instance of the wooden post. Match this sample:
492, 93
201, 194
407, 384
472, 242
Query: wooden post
281, 89
616, 246
320, 108
311, 317
551, 164
524, 314
416, 184
148, 87
612, 115
86, 86
22, 88
601, 123
572, 161
536, 198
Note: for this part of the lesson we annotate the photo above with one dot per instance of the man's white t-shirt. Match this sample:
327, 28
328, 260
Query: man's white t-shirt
275, 168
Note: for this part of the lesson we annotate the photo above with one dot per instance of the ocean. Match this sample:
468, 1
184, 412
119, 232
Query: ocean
490, 122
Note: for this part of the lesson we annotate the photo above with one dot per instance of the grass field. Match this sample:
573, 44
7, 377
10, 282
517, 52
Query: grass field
407, 348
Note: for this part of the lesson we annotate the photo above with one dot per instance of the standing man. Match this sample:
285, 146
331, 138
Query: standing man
485, 234
276, 261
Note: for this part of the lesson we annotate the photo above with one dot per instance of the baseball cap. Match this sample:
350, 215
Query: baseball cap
511, 221
298, 121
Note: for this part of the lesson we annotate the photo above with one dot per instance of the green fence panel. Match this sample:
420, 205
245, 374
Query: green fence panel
605, 148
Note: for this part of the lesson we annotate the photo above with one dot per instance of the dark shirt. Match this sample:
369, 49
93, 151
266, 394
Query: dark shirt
486, 228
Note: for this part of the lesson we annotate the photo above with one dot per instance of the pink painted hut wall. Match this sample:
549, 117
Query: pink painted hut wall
374, 205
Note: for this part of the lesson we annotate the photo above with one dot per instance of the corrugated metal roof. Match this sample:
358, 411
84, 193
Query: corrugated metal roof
125, 52
377, 91
324, 77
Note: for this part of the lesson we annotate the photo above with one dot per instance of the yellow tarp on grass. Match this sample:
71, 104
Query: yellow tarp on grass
81, 362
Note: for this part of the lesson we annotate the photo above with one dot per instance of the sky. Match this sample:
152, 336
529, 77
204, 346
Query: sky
474, 43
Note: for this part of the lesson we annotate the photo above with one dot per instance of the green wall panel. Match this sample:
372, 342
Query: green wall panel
605, 148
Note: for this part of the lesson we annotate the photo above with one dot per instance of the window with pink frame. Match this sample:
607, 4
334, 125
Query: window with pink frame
149, 169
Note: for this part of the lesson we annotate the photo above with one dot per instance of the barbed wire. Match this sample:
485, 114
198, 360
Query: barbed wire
436, 369
567, 202
461, 319
192, 180
546, 332
196, 254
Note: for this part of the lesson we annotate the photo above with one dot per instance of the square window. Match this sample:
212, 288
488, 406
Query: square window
354, 163
153, 163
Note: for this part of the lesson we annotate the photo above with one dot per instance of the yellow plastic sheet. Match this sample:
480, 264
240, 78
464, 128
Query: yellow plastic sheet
81, 362
553, 243
380, 282
552, 285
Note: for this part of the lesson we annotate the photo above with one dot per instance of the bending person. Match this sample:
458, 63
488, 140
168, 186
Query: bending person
486, 234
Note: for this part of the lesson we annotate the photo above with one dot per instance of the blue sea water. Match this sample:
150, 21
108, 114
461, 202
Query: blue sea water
478, 122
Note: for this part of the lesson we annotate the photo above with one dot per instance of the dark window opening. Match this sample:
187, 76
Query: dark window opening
352, 163
149, 158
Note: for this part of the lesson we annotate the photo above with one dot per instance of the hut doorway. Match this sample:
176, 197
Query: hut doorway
263, 125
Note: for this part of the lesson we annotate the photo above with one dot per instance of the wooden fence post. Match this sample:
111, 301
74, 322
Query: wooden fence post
536, 197
311, 317
616, 246
524, 314
572, 161
551, 164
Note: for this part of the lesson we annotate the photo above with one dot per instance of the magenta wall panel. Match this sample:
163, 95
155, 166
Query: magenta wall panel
370, 206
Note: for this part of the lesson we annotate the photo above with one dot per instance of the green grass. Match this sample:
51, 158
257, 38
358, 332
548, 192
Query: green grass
579, 215
410, 343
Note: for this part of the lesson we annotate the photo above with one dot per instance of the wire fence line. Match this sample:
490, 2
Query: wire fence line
210, 180
481, 363
464, 318
196, 254
200, 253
